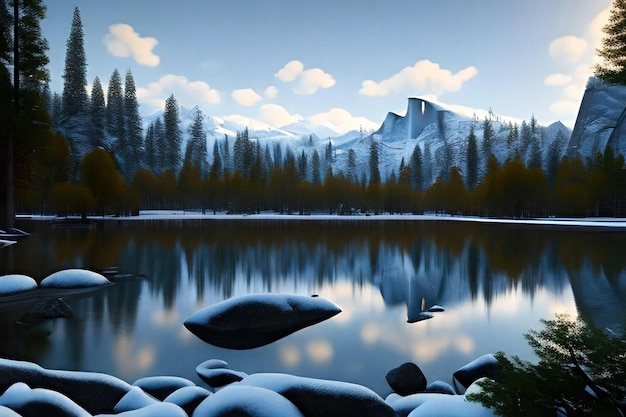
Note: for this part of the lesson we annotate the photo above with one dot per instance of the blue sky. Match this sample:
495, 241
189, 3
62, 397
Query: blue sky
340, 63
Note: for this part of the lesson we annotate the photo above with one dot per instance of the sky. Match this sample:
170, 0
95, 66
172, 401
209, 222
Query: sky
339, 63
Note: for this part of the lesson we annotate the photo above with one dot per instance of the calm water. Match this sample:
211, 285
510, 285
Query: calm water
495, 281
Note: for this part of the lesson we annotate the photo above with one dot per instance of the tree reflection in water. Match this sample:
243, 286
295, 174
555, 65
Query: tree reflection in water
411, 264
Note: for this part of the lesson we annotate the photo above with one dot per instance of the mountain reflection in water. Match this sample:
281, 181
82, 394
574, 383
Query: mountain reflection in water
495, 282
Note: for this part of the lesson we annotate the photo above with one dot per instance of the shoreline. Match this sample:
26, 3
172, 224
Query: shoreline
163, 215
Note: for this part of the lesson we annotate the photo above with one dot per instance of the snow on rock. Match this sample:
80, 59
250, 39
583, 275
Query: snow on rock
474, 387
188, 398
7, 412
440, 387
322, 398
451, 406
135, 398
436, 309
162, 386
250, 401
74, 278
255, 320
14, 283
403, 406
155, 410
216, 373
95, 392
485, 365
39, 402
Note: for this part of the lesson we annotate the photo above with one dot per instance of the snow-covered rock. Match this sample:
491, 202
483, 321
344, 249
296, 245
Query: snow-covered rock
322, 398
601, 119
74, 278
440, 387
162, 386
258, 319
188, 398
15, 283
451, 406
134, 399
155, 410
483, 366
216, 373
250, 401
403, 406
95, 392
38, 402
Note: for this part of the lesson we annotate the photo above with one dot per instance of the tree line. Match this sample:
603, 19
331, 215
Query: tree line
88, 154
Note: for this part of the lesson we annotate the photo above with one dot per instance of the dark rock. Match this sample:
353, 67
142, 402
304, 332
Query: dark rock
187, 398
322, 398
255, 320
486, 365
406, 379
162, 386
97, 393
50, 309
440, 387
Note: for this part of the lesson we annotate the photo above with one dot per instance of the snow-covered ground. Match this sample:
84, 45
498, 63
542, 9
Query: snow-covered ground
592, 222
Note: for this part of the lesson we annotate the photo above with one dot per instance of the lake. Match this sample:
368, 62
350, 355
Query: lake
495, 281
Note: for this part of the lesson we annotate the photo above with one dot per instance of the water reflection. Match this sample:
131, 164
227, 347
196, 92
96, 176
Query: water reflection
495, 282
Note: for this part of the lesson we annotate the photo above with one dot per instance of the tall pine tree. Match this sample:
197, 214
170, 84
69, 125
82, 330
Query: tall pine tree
613, 48
196, 152
172, 135
115, 110
133, 130
75, 123
97, 114
374, 164
471, 172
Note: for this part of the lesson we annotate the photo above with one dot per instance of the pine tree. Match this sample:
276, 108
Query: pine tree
6, 34
555, 151
374, 164
75, 123
427, 166
32, 46
160, 147
613, 48
351, 173
197, 152
173, 135
133, 129
416, 169
316, 168
115, 109
226, 161
471, 173
488, 138
216, 166
150, 154
97, 112
302, 166
75, 73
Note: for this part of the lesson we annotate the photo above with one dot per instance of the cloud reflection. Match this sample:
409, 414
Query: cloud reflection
320, 351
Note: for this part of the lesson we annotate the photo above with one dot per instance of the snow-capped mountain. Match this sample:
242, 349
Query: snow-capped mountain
441, 134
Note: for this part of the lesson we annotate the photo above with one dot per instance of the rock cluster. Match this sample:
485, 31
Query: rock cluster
30, 390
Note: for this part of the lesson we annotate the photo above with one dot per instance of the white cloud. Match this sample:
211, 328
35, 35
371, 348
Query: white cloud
425, 77
290, 71
341, 121
277, 116
568, 48
307, 81
271, 92
187, 93
123, 41
558, 79
565, 107
246, 96
594, 30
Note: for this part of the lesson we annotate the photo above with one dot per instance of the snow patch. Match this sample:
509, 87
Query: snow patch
14, 283
74, 278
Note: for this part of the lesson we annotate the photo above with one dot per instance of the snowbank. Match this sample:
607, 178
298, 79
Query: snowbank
15, 283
